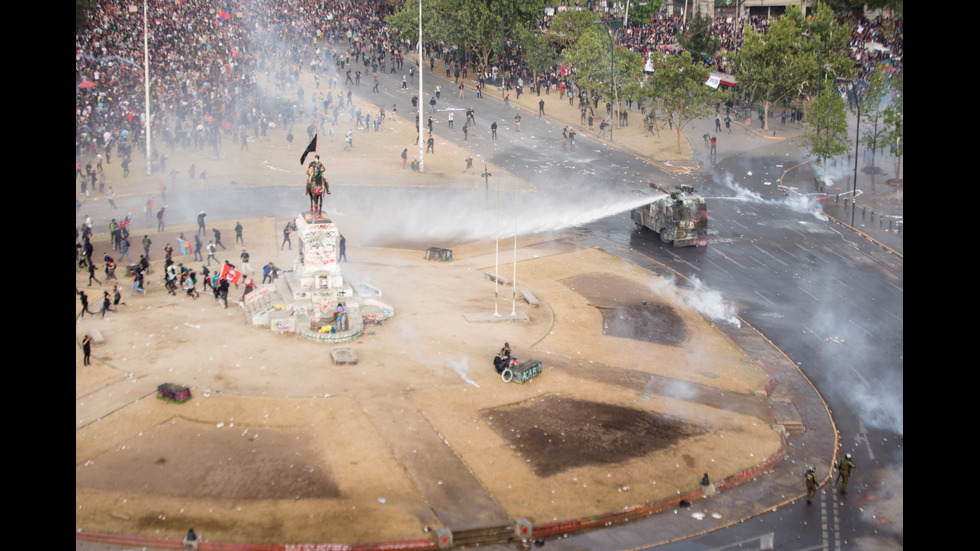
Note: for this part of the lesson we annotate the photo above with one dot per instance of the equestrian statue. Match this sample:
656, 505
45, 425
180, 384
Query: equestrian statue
316, 185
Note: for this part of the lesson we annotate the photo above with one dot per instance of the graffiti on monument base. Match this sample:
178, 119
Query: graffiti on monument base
318, 258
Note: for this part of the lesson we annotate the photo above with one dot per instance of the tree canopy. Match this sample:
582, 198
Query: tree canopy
478, 25
699, 38
678, 88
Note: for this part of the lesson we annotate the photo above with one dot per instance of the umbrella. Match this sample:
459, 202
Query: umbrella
87, 84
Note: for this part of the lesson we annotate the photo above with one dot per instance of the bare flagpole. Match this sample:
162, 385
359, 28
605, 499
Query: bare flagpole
146, 88
513, 300
421, 71
496, 255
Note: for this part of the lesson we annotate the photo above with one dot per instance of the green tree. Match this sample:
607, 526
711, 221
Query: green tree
480, 25
595, 57
82, 7
826, 125
772, 66
699, 38
677, 88
642, 11
895, 122
825, 51
875, 97
859, 6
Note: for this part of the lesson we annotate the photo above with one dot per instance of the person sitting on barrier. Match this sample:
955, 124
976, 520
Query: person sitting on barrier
503, 358
340, 316
499, 363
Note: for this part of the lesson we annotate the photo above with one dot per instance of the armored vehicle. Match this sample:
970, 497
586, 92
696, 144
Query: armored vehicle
680, 216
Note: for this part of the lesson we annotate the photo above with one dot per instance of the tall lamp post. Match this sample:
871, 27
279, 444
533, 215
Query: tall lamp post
611, 26
857, 140
146, 90
419, 112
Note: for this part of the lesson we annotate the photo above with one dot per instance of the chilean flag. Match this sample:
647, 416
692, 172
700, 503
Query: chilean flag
229, 273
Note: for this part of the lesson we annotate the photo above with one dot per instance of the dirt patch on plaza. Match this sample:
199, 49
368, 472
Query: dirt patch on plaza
630, 310
557, 433
183, 458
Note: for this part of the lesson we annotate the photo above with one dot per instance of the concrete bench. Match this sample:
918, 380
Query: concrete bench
498, 278
529, 297
96, 335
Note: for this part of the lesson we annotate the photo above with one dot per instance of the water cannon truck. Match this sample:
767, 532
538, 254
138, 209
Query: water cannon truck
680, 216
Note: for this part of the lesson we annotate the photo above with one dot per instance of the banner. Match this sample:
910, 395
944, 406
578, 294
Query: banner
230, 273
309, 149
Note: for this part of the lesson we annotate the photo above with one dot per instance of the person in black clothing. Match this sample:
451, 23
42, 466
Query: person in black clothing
285, 237
106, 303
84, 299
91, 273
222, 292
217, 238
87, 349
197, 248
205, 273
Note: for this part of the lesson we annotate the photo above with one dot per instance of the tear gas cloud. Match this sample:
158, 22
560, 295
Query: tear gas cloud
462, 368
707, 302
797, 202
834, 171
848, 361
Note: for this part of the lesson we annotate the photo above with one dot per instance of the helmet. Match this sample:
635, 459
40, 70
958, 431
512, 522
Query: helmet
847, 456
810, 469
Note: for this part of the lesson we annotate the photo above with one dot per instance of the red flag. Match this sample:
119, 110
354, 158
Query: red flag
230, 273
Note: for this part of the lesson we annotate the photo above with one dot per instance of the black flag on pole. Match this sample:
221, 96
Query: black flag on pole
309, 149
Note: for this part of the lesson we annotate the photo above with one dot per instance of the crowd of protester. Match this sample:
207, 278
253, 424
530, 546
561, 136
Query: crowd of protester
206, 57
205, 61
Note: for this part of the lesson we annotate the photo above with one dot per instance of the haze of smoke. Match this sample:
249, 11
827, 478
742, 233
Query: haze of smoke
462, 368
886, 511
675, 388
831, 171
797, 203
848, 359
706, 301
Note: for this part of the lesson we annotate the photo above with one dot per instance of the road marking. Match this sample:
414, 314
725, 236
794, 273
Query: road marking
862, 437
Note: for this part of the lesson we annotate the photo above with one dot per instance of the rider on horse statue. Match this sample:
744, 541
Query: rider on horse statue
316, 184
315, 175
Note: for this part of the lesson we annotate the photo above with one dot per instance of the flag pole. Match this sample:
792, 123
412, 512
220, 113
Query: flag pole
421, 71
146, 90
496, 255
513, 300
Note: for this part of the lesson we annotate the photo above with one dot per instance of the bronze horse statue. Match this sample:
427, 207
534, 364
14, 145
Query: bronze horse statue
316, 185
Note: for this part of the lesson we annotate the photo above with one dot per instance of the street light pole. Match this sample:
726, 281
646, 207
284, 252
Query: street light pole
486, 181
612, 74
857, 141
419, 106
146, 90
